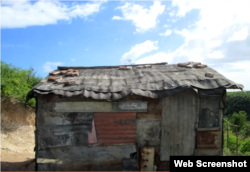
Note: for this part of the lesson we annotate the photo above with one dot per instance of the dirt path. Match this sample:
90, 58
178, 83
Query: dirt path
13, 161
17, 137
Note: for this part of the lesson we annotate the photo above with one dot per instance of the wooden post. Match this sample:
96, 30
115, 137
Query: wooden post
236, 127
236, 141
227, 138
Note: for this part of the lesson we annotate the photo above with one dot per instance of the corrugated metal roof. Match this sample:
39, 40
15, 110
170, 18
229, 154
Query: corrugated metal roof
115, 82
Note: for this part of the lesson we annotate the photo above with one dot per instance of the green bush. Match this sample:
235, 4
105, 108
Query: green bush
232, 143
239, 119
247, 153
245, 131
245, 145
17, 82
237, 101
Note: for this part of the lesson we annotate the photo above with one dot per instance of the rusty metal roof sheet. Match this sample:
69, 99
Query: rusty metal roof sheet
150, 80
115, 128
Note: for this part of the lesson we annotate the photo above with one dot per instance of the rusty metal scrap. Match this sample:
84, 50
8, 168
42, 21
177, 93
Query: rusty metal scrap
209, 74
125, 67
54, 78
183, 64
55, 73
208, 139
72, 72
189, 66
115, 128
66, 82
140, 66
148, 66
201, 66
192, 65
63, 72
69, 72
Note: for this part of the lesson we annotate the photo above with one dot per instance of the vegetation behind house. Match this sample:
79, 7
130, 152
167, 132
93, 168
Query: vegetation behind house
17, 82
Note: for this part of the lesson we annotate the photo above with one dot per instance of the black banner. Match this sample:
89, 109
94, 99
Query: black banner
180, 163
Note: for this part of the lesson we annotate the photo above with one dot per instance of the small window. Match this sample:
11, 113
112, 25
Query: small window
208, 118
209, 112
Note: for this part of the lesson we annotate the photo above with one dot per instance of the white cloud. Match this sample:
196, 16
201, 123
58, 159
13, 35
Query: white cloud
238, 72
220, 36
165, 25
143, 19
23, 13
167, 33
172, 13
216, 32
239, 35
138, 50
117, 18
73, 59
50, 66
216, 54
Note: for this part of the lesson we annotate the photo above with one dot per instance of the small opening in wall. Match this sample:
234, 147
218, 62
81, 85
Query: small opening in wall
133, 155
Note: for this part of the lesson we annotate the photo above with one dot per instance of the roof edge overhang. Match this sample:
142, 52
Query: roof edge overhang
158, 94
237, 86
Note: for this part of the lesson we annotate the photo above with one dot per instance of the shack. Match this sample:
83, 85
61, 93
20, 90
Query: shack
131, 117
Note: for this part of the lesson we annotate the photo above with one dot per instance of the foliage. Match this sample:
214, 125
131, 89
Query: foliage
232, 142
237, 101
247, 154
227, 152
17, 82
243, 135
245, 145
239, 119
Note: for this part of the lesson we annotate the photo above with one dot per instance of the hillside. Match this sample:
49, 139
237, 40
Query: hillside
17, 136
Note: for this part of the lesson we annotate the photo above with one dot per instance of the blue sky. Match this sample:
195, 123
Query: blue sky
47, 34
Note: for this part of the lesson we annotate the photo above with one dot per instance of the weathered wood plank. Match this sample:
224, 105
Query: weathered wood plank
179, 118
148, 132
208, 129
208, 139
78, 166
65, 135
135, 106
208, 152
46, 160
89, 155
153, 111
130, 106
68, 118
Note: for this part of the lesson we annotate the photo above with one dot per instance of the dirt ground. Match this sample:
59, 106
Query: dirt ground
17, 137
17, 161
